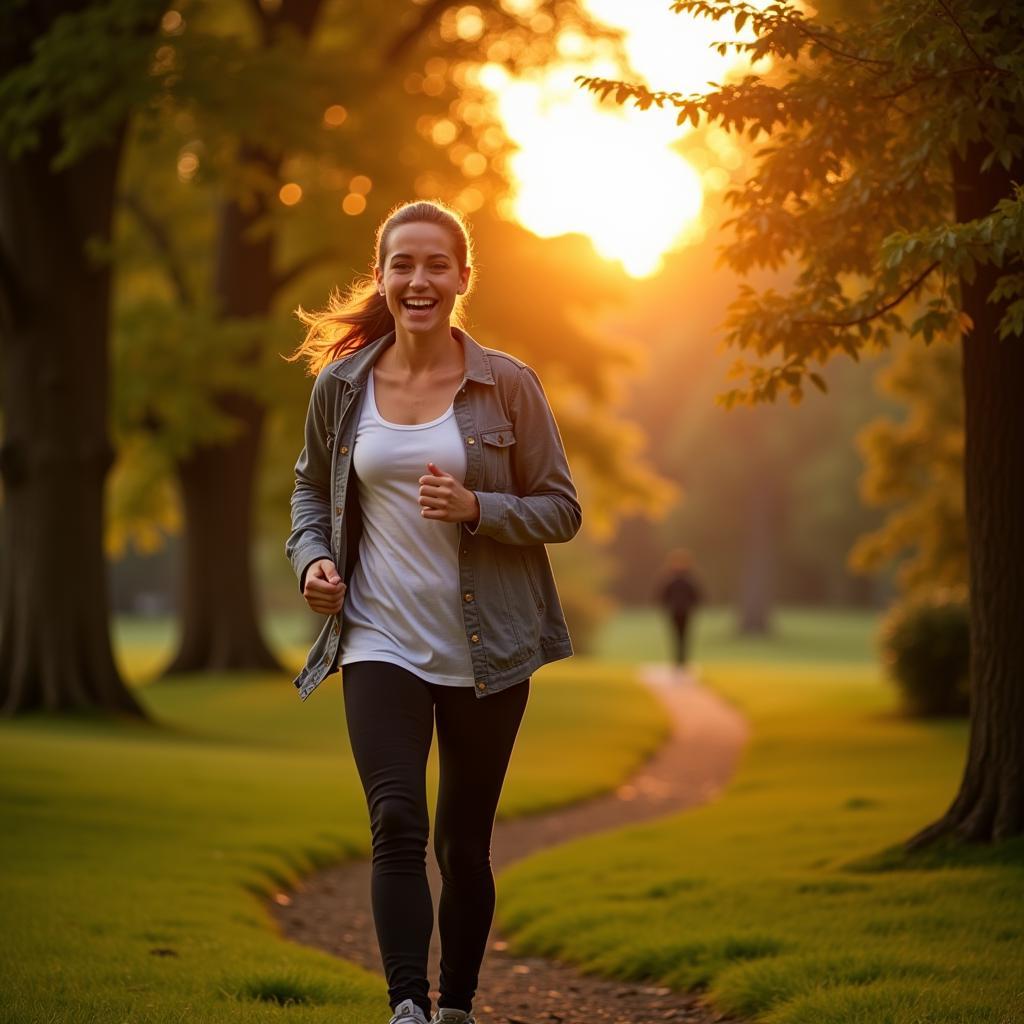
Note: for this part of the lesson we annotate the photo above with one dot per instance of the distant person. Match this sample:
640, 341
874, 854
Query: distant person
679, 594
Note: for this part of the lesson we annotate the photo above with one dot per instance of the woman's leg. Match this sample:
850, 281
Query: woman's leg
390, 716
475, 736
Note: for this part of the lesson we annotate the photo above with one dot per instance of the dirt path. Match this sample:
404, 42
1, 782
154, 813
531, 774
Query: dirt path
331, 910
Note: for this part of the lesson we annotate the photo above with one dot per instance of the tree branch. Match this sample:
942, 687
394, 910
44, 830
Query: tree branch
286, 277
875, 313
161, 239
967, 42
428, 14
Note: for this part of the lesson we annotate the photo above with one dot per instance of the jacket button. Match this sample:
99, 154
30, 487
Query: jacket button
337, 510
475, 638
337, 628
468, 596
344, 449
501, 439
481, 686
470, 440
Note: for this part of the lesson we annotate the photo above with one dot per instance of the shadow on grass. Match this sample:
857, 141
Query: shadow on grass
944, 853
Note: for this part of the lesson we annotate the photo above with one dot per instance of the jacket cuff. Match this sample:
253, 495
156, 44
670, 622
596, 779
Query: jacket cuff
492, 514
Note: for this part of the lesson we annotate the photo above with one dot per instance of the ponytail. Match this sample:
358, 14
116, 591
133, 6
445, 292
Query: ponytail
350, 321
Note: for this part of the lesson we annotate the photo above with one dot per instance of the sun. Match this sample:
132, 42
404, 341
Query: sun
610, 172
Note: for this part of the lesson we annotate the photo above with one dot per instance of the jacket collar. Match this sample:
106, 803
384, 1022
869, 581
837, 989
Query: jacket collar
356, 368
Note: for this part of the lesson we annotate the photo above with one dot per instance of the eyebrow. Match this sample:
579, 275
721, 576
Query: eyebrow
432, 256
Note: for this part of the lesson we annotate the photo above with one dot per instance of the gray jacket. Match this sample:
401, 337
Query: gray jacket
517, 467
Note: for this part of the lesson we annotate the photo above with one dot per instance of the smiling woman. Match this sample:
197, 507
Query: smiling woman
432, 476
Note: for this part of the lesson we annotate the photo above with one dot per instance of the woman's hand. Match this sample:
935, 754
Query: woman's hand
324, 589
442, 497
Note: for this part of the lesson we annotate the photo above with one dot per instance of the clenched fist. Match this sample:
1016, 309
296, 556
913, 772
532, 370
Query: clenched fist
324, 589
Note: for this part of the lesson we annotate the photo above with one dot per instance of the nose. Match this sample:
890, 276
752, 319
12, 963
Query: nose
419, 278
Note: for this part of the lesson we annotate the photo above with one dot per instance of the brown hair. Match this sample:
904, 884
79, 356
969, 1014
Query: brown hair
361, 314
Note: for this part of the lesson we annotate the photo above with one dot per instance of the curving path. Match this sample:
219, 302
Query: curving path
331, 909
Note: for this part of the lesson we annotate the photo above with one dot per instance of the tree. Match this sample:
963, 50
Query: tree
69, 74
892, 175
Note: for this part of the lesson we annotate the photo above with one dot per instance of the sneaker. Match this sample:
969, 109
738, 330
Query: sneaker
407, 1012
446, 1016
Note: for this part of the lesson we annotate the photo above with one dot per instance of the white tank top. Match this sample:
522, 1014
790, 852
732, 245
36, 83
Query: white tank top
403, 602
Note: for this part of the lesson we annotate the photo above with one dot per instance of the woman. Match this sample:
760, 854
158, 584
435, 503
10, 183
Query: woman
432, 476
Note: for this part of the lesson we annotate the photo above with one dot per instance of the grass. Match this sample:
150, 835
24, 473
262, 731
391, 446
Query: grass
798, 636
788, 900
137, 858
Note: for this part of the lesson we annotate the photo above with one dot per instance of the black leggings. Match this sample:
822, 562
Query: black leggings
390, 714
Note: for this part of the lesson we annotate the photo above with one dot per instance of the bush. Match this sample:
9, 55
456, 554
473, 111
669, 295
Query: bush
926, 648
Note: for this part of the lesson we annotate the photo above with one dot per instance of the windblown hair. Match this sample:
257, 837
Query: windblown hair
361, 315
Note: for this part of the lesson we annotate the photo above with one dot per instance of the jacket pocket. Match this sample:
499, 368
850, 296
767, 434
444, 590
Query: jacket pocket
497, 448
534, 589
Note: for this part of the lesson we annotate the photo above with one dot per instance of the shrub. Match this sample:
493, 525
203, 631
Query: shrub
926, 647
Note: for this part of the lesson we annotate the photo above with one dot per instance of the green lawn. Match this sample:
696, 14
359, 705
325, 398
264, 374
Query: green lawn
786, 898
798, 636
136, 858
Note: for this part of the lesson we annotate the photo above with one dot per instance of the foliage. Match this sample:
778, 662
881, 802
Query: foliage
915, 468
84, 69
854, 186
926, 647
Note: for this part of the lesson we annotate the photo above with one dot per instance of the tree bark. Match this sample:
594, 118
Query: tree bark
990, 803
55, 651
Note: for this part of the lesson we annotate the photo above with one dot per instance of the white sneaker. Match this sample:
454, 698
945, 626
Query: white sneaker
446, 1016
407, 1012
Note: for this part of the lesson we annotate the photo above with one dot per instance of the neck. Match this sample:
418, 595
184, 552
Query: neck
424, 353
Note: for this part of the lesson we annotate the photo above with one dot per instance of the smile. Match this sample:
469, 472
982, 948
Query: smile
419, 303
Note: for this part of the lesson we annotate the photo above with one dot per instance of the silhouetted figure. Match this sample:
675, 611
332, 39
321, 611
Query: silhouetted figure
679, 594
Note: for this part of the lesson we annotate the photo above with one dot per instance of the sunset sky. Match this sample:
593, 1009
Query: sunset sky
610, 172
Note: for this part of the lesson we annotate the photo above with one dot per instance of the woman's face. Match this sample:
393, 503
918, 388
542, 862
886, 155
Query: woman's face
420, 276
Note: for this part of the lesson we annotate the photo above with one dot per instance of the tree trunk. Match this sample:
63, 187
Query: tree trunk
220, 621
55, 651
990, 804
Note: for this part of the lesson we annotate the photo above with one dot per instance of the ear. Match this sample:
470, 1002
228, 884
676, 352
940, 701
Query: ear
464, 280
378, 280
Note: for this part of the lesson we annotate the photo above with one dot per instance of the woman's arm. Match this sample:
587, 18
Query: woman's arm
549, 510
310, 538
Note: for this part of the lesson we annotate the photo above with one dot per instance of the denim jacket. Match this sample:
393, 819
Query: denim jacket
517, 467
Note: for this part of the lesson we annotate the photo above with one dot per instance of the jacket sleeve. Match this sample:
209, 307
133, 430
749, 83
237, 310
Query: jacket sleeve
548, 512
310, 538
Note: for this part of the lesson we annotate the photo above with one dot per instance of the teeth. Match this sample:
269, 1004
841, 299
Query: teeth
420, 303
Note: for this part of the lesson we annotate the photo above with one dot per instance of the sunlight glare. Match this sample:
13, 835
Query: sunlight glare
595, 171
600, 169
